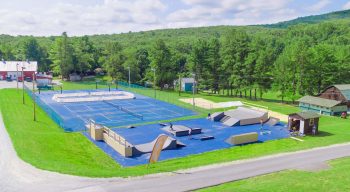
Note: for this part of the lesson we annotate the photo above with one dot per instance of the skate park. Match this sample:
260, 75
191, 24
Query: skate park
131, 146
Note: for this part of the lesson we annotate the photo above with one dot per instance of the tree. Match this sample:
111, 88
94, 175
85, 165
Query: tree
234, 52
84, 55
323, 70
213, 64
113, 60
31, 50
160, 58
61, 55
282, 76
142, 63
199, 62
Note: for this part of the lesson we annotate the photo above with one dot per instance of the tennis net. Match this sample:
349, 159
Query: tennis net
125, 110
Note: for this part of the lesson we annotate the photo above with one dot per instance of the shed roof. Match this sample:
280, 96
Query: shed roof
344, 89
319, 101
306, 115
187, 80
11, 66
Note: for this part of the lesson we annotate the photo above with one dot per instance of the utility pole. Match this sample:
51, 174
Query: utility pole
34, 102
23, 84
193, 89
180, 84
154, 81
129, 77
17, 74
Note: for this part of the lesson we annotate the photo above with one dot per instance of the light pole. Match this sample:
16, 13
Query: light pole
180, 84
34, 104
154, 81
23, 85
97, 81
17, 74
60, 85
193, 89
129, 76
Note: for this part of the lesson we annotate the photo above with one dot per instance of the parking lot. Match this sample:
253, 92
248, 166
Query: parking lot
12, 84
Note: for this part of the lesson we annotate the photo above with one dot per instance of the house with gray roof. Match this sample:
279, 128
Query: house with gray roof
322, 106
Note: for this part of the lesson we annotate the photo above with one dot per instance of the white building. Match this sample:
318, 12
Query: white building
13, 69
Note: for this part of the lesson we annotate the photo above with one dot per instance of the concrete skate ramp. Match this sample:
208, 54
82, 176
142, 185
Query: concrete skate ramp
181, 130
242, 138
217, 116
247, 116
231, 122
170, 143
272, 121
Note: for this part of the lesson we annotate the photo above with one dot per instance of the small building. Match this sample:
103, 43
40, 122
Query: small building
74, 77
187, 84
337, 93
43, 79
322, 106
13, 69
304, 122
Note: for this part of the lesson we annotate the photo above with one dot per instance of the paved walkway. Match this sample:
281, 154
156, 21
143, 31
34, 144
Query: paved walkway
16, 175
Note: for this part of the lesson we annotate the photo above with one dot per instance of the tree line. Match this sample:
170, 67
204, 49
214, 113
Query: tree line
240, 61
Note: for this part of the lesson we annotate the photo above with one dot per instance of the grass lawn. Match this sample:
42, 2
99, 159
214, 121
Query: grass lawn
335, 179
45, 145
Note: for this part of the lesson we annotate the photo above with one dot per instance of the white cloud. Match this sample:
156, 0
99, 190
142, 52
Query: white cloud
319, 5
115, 16
232, 12
109, 17
347, 5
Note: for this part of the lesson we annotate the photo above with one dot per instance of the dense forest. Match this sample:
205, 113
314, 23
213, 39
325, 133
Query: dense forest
298, 60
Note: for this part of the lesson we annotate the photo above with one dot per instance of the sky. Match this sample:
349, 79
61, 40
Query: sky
87, 17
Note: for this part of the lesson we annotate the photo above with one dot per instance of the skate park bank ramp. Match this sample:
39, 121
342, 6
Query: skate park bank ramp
240, 116
181, 130
243, 138
122, 146
272, 121
170, 143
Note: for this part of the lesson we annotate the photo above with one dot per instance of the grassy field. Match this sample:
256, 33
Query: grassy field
44, 145
331, 180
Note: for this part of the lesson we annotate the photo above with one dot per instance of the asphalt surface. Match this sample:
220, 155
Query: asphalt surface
16, 175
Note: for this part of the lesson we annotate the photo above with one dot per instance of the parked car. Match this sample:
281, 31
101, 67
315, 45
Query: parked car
8, 79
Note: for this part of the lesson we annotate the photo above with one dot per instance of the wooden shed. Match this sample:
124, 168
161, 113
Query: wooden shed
338, 93
304, 122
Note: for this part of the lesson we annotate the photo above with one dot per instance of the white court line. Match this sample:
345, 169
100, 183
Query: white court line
79, 116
